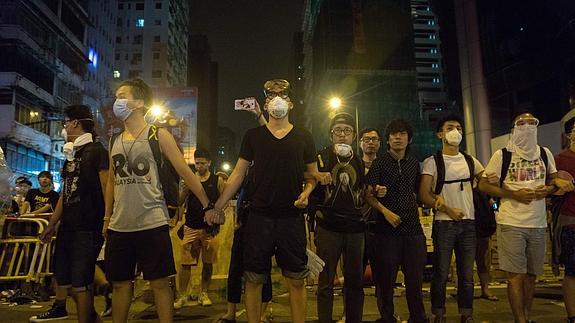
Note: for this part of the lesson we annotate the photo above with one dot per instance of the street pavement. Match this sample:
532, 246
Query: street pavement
547, 307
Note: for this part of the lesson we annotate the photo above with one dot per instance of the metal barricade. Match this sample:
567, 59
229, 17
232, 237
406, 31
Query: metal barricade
24, 257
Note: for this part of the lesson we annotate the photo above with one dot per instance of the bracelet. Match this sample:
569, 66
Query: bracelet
210, 206
106, 218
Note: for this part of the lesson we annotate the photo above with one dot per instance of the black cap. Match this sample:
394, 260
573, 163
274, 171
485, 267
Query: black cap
23, 180
344, 118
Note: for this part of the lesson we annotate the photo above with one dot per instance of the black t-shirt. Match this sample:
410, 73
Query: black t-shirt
340, 203
401, 177
83, 207
279, 165
194, 211
37, 199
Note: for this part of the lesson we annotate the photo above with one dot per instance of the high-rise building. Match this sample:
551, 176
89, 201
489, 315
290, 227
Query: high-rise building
431, 89
152, 41
100, 44
43, 61
363, 52
203, 74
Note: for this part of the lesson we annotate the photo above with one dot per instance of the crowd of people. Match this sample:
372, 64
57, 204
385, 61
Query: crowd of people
362, 209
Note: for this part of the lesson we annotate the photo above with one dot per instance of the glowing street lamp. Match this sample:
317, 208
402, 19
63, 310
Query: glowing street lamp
226, 167
335, 102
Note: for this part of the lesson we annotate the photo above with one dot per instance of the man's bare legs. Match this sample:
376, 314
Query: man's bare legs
121, 300
207, 271
163, 298
185, 274
516, 295
297, 299
528, 292
85, 305
253, 295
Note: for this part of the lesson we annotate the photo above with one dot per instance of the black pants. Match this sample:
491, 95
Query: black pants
236, 272
389, 253
330, 247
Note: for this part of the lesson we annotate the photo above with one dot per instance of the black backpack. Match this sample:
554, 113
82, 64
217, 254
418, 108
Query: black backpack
167, 174
506, 161
485, 224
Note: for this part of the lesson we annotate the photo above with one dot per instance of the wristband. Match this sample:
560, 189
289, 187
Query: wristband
210, 206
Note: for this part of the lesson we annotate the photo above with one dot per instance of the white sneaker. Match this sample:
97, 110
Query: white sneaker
342, 320
204, 299
181, 302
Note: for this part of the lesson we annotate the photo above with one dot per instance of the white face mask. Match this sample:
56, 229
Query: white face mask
343, 150
69, 151
453, 137
64, 134
278, 108
523, 141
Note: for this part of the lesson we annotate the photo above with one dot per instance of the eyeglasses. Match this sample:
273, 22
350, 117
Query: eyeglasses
527, 121
64, 122
342, 131
369, 139
272, 94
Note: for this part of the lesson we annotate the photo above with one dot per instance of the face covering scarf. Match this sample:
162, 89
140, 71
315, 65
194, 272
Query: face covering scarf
523, 142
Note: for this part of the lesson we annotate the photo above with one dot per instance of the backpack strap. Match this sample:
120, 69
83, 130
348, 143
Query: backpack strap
440, 166
544, 156
154, 142
505, 162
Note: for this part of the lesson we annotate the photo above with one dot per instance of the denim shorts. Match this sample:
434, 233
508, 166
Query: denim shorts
521, 250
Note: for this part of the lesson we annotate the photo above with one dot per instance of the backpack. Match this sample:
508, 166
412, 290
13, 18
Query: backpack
485, 224
167, 174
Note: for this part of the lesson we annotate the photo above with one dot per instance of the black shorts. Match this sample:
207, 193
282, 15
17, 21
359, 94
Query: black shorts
75, 257
150, 249
264, 237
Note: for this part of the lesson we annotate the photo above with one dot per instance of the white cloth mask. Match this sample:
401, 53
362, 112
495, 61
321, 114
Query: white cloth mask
523, 141
343, 150
70, 147
453, 137
278, 107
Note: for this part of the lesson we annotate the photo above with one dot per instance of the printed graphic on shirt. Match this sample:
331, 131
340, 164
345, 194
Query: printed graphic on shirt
71, 179
526, 170
345, 179
128, 172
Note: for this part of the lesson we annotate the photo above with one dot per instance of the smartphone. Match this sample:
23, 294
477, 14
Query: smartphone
248, 104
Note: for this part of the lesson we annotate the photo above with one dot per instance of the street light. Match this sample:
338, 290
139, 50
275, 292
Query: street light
335, 103
226, 166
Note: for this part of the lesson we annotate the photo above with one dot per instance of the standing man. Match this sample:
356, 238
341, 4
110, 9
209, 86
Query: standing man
398, 236
281, 154
527, 174
369, 142
340, 226
23, 185
43, 199
80, 211
447, 185
136, 220
199, 237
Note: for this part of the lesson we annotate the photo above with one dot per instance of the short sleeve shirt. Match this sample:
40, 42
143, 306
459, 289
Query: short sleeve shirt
279, 166
522, 174
566, 161
456, 168
37, 199
401, 177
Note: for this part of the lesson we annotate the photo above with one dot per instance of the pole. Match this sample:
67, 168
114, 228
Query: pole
357, 130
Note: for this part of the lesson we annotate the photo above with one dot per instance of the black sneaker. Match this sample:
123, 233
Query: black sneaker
55, 313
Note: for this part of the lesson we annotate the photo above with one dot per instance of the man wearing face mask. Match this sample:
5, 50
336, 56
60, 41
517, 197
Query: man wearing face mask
340, 229
447, 185
79, 211
136, 219
398, 239
525, 174
281, 153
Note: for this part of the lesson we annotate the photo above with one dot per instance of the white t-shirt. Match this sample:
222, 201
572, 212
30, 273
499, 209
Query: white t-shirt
522, 174
455, 168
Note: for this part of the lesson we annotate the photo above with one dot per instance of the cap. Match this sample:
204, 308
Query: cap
343, 118
23, 180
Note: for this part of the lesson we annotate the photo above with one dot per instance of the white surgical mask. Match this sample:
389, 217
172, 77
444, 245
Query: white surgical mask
278, 107
453, 137
64, 134
121, 110
343, 150
523, 141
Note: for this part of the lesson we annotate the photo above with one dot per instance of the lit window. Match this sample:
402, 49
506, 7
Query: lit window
116, 74
140, 23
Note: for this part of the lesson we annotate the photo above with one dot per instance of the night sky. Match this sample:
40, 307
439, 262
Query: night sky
251, 40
